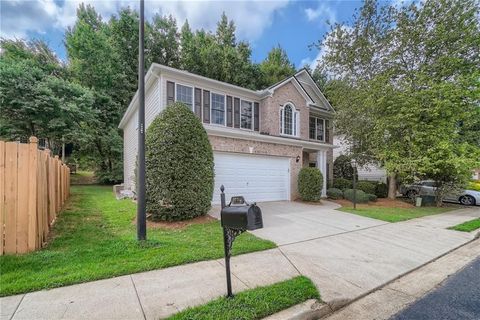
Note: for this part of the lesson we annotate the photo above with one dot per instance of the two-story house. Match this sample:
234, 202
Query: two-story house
260, 139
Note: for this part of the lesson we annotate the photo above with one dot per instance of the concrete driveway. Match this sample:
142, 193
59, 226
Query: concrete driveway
288, 222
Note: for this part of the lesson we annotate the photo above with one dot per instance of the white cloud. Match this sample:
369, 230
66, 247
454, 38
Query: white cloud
323, 12
251, 17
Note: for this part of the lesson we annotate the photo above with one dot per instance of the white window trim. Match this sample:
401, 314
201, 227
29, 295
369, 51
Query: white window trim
253, 114
185, 85
295, 120
324, 128
224, 109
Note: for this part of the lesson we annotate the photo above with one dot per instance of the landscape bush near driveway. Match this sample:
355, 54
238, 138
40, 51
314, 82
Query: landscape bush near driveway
95, 238
254, 303
179, 166
310, 183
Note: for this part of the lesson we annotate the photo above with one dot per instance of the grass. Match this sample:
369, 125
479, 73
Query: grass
390, 214
82, 177
94, 238
467, 226
254, 303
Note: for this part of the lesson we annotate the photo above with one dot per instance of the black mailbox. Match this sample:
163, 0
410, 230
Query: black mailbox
236, 217
238, 214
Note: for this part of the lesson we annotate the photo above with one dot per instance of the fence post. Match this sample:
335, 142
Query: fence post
32, 194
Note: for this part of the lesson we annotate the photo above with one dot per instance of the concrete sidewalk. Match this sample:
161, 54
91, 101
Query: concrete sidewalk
344, 266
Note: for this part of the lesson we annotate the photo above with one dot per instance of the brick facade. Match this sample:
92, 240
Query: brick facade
270, 110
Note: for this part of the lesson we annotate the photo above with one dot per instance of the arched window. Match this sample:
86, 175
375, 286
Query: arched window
288, 120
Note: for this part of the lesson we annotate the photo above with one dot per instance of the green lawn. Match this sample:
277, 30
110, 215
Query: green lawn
94, 238
82, 177
394, 214
467, 226
254, 303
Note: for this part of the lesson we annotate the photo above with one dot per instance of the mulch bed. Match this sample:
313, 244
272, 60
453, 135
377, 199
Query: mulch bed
386, 203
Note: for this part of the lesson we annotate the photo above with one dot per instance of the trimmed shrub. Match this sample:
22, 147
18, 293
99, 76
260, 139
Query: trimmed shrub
361, 196
179, 166
310, 182
342, 184
342, 167
366, 186
371, 197
381, 190
334, 193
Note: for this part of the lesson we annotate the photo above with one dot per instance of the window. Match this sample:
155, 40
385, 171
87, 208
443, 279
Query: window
288, 120
218, 108
246, 115
185, 95
317, 129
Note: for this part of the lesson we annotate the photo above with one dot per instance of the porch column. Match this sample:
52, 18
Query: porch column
322, 165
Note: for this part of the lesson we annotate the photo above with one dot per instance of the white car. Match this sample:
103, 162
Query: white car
427, 187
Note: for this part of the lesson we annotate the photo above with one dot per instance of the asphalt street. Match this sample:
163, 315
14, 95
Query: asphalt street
457, 298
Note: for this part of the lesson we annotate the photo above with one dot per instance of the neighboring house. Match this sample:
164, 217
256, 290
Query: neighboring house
371, 172
476, 174
261, 139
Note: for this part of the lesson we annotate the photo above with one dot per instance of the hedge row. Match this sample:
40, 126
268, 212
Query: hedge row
379, 189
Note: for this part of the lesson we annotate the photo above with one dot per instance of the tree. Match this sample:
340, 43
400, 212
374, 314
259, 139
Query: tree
179, 166
95, 63
162, 41
405, 85
36, 100
276, 66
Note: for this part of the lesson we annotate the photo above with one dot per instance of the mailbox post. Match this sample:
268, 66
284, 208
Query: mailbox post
236, 217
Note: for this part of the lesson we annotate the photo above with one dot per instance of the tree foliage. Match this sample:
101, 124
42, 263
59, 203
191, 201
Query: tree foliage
276, 66
82, 101
406, 87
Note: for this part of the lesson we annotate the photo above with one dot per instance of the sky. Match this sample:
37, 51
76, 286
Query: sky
295, 25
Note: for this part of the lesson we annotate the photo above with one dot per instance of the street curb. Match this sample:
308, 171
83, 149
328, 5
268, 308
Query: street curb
309, 310
318, 310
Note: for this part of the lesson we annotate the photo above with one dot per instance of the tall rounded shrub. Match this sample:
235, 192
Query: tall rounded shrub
179, 166
310, 183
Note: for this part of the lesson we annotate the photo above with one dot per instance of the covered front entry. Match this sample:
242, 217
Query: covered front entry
256, 177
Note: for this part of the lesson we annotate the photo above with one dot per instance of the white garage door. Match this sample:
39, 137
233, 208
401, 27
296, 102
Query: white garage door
257, 178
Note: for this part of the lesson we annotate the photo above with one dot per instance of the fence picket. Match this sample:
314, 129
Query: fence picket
22, 197
2, 196
11, 149
33, 188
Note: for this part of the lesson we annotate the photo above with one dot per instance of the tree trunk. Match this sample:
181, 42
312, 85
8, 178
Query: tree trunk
392, 186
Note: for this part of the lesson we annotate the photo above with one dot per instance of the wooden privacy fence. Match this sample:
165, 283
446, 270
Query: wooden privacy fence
33, 188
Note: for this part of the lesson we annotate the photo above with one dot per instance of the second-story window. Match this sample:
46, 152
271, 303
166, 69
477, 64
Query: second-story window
288, 120
318, 129
218, 108
246, 115
185, 95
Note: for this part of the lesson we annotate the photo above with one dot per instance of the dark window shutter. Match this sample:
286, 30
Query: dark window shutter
256, 117
206, 106
170, 92
198, 102
229, 111
236, 112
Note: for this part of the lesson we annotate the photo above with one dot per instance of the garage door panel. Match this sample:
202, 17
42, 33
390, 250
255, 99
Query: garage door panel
257, 178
